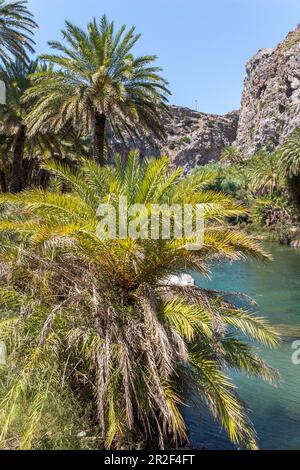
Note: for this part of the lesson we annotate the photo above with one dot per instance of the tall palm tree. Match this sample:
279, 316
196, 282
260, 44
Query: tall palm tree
98, 82
16, 27
12, 114
96, 316
290, 164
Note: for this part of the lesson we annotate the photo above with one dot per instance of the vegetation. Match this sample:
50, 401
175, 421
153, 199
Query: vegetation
290, 155
185, 140
16, 28
101, 350
13, 114
22, 151
231, 155
93, 319
97, 83
268, 184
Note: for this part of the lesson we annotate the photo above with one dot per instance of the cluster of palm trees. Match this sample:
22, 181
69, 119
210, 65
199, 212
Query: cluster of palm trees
268, 182
95, 336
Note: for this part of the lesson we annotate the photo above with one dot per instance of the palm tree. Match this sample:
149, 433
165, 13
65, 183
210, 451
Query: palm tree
232, 155
264, 174
16, 26
271, 210
290, 165
12, 114
98, 82
96, 316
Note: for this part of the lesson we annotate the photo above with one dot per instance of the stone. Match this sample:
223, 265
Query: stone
182, 280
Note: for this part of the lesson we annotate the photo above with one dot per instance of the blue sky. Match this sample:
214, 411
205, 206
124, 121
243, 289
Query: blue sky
203, 45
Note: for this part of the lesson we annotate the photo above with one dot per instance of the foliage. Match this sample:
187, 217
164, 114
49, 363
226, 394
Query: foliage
96, 75
185, 140
271, 210
232, 154
265, 175
263, 185
93, 317
290, 155
290, 164
36, 147
16, 77
230, 179
16, 27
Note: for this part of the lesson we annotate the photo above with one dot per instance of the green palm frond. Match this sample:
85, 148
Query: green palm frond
123, 341
254, 327
265, 175
290, 155
240, 356
188, 320
232, 155
219, 393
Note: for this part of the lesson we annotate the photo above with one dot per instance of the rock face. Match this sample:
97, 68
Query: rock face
270, 108
193, 138
196, 138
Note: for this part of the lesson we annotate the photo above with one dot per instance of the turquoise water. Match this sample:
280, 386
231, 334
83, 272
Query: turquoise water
275, 412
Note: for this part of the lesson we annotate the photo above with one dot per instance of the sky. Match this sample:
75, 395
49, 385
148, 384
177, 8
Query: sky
202, 45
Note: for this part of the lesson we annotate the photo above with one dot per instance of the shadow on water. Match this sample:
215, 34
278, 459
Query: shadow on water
275, 412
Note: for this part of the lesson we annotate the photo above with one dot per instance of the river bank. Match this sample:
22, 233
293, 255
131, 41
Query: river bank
288, 235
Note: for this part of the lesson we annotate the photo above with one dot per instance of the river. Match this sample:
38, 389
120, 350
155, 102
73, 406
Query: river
275, 412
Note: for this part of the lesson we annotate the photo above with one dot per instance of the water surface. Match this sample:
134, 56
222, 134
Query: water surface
275, 411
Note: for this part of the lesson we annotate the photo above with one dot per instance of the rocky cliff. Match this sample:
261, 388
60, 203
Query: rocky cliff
270, 108
193, 138
196, 138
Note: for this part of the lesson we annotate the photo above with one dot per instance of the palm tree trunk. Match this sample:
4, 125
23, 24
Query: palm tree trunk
3, 172
3, 184
16, 184
99, 137
294, 188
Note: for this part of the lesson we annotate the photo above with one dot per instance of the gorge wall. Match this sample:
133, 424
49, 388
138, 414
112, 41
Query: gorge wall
193, 138
270, 108
270, 111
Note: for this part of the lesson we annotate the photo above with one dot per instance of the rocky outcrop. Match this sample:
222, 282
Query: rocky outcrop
193, 138
196, 138
270, 108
